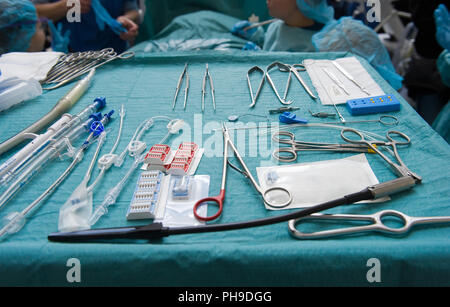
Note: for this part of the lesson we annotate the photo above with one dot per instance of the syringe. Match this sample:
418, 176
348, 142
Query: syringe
42, 161
25, 156
16, 220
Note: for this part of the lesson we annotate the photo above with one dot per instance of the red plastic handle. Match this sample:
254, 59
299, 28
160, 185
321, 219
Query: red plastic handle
217, 199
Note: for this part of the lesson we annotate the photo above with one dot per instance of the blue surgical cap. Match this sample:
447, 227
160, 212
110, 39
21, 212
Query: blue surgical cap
350, 35
317, 10
17, 25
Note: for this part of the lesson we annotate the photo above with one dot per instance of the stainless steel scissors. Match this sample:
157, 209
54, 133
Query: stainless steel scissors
376, 220
289, 154
399, 168
219, 199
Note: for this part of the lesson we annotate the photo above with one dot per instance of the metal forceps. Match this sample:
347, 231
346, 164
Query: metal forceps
219, 200
261, 83
186, 87
289, 154
399, 168
208, 76
79, 69
376, 220
74, 62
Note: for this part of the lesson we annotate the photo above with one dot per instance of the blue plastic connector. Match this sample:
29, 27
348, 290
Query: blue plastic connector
101, 102
291, 118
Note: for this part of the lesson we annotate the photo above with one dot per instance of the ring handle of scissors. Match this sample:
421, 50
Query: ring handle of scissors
271, 204
285, 154
283, 137
406, 138
215, 199
361, 139
126, 55
388, 120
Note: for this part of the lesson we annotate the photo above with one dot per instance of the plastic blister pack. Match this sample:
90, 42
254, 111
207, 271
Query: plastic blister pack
183, 193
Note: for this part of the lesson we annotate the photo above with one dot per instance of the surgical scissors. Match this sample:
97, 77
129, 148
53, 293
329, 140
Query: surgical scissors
399, 168
289, 154
208, 76
219, 199
376, 220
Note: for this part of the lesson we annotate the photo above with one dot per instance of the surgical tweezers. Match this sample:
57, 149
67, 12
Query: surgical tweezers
186, 87
208, 76
376, 224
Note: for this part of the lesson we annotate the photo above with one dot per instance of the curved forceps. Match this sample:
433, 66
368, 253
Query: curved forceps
219, 199
281, 67
375, 219
261, 83
399, 168
289, 154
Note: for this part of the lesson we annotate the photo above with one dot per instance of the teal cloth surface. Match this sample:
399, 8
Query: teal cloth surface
204, 30
264, 256
281, 37
159, 13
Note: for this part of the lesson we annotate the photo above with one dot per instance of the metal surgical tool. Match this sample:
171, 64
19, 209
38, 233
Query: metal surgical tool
289, 154
350, 77
294, 69
376, 225
72, 66
208, 76
335, 80
261, 83
219, 199
281, 67
399, 168
186, 87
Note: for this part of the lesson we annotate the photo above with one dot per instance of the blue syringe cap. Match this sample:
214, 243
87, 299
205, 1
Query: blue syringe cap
101, 102
96, 116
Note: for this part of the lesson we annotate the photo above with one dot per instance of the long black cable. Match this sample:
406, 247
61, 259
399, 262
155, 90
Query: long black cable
157, 230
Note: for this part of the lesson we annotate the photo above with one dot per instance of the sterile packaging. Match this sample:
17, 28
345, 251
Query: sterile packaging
318, 182
20, 73
14, 91
75, 213
150, 193
182, 196
329, 92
